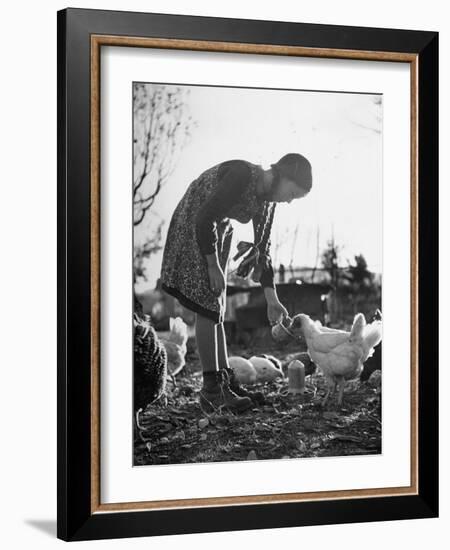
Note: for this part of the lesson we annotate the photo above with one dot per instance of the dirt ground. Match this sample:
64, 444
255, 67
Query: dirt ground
287, 426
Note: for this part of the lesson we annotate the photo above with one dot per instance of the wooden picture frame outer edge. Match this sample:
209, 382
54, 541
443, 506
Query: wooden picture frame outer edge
97, 41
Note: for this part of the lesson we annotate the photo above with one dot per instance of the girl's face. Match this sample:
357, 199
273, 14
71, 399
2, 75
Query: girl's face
287, 190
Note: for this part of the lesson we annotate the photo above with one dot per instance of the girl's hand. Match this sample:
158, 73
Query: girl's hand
276, 312
216, 279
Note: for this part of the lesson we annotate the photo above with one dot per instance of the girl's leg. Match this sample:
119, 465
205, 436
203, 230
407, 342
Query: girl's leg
205, 335
214, 393
222, 359
222, 355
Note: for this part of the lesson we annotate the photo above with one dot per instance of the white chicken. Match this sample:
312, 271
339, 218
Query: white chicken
338, 354
175, 343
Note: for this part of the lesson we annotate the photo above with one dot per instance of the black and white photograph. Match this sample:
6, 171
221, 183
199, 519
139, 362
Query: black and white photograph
257, 273
247, 264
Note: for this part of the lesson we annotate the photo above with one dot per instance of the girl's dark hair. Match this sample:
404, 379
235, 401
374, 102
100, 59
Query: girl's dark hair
294, 166
298, 169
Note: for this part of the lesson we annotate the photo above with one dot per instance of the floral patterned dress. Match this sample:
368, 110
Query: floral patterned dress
184, 271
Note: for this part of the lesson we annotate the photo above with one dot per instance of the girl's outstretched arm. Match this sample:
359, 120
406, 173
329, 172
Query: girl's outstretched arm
275, 309
262, 226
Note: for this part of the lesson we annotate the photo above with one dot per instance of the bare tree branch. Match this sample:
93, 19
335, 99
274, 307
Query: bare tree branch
161, 127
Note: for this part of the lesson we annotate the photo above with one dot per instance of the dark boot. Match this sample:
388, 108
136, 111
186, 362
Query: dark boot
216, 393
256, 396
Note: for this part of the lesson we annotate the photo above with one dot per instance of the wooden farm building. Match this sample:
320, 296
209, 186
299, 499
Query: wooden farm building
246, 315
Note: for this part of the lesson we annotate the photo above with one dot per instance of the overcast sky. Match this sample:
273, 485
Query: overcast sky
341, 135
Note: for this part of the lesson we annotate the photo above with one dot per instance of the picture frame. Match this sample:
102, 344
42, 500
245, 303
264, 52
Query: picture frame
82, 33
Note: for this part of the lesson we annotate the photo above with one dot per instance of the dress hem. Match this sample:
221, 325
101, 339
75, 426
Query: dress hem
193, 306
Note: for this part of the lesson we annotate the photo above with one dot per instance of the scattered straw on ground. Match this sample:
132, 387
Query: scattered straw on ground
286, 426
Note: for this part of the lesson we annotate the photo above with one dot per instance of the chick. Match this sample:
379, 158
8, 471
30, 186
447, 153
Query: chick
244, 371
255, 370
267, 368
276, 362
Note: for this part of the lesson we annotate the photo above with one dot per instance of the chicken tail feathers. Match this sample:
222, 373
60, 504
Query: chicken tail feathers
359, 323
370, 334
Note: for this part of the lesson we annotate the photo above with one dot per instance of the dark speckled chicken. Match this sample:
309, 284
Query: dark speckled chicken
150, 365
373, 363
